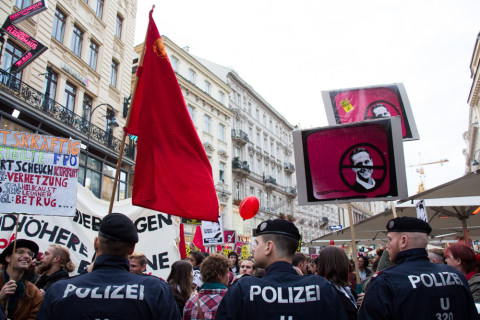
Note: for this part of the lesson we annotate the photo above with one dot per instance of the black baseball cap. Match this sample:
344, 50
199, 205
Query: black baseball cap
408, 224
118, 227
278, 226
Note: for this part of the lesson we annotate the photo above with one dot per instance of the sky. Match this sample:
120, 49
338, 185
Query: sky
289, 51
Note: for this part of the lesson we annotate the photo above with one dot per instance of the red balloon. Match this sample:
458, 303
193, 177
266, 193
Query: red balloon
249, 207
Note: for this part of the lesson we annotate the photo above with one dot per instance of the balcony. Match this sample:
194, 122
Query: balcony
240, 167
288, 167
292, 192
49, 107
270, 182
240, 137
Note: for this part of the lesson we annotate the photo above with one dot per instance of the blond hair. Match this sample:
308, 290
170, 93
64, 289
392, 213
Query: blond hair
65, 262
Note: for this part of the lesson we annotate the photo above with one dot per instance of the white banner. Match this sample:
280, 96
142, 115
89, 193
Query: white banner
157, 231
422, 211
212, 232
38, 174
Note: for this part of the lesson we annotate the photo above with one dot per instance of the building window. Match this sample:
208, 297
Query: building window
22, 4
239, 99
206, 123
260, 198
87, 107
114, 74
99, 179
221, 132
77, 39
221, 171
93, 55
53, 88
69, 97
118, 27
99, 8
221, 97
207, 87
12, 54
237, 190
191, 76
58, 25
252, 191
191, 112
174, 62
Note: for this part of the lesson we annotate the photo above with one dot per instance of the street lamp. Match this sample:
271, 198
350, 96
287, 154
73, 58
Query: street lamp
112, 123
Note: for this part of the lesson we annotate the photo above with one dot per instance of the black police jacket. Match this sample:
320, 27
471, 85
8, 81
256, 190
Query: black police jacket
283, 295
416, 288
109, 292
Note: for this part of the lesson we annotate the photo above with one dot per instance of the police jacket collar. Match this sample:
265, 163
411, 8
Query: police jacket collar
110, 261
412, 254
280, 266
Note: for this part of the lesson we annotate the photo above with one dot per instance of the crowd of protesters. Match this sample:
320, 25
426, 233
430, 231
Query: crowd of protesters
403, 281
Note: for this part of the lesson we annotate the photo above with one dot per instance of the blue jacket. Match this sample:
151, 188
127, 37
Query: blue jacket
416, 288
109, 292
281, 294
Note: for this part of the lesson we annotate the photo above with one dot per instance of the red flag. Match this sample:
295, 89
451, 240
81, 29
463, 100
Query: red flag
182, 245
198, 239
172, 172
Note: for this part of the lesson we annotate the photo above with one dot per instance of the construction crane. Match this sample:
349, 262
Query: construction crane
420, 170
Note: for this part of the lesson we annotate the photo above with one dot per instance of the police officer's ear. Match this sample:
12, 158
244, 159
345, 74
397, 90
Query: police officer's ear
269, 246
403, 241
132, 249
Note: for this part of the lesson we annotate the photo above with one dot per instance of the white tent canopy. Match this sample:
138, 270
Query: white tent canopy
444, 216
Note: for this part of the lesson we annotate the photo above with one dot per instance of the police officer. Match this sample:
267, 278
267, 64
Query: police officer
110, 291
415, 288
281, 294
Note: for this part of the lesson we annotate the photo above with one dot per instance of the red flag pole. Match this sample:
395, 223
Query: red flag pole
122, 146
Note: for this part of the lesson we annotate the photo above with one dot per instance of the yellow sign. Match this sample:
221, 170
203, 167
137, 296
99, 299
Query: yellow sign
226, 251
245, 252
347, 106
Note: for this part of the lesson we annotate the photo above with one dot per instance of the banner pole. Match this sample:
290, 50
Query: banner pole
354, 243
122, 146
394, 210
10, 267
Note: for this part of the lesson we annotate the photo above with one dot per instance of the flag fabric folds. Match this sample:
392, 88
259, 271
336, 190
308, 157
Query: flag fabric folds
172, 172
198, 239
182, 245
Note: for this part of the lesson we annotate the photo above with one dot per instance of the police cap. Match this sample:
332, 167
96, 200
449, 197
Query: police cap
21, 243
278, 226
118, 227
408, 224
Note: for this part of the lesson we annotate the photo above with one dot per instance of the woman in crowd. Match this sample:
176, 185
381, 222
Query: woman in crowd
233, 258
334, 266
214, 271
196, 258
462, 258
363, 268
180, 282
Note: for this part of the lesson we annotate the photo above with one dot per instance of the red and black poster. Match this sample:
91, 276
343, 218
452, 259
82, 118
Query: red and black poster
368, 103
359, 162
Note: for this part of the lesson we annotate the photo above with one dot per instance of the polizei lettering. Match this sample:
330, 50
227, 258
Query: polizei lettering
285, 295
130, 291
440, 279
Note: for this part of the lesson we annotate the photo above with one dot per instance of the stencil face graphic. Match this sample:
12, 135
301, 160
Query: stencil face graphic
369, 175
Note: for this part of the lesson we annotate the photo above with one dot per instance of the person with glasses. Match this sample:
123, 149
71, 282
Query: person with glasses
20, 299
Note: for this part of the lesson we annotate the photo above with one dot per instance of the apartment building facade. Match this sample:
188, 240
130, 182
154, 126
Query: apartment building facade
472, 135
77, 88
